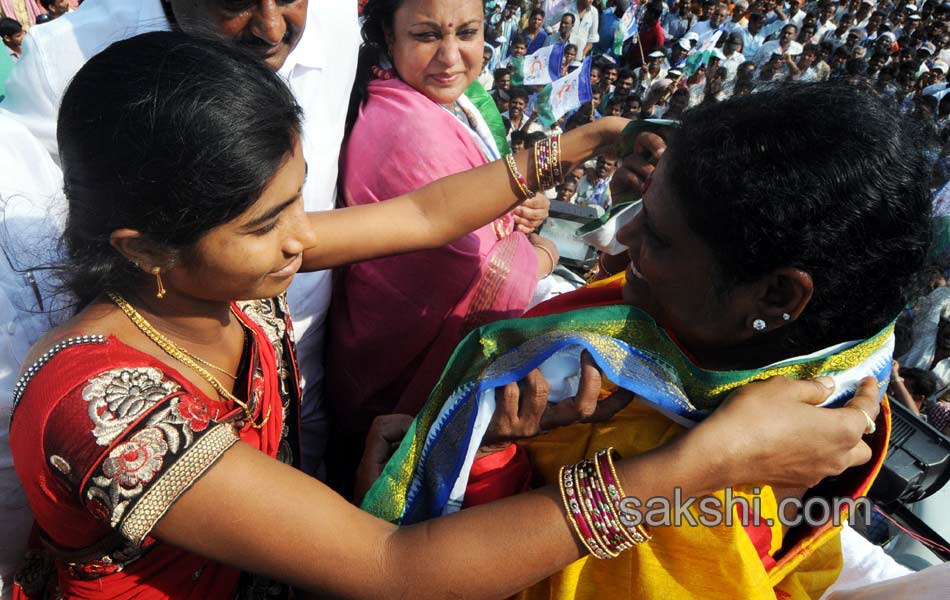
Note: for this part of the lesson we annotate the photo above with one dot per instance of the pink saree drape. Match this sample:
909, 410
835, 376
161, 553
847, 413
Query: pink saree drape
395, 321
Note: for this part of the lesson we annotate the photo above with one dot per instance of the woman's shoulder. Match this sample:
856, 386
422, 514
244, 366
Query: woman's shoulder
394, 107
76, 371
96, 423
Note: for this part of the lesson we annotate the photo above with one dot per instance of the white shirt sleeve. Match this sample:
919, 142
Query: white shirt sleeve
594, 36
31, 96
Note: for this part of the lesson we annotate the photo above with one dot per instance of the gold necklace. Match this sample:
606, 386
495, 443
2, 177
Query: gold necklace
182, 356
209, 364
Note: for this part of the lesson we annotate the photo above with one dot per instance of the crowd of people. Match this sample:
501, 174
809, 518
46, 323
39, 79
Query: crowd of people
897, 49
272, 311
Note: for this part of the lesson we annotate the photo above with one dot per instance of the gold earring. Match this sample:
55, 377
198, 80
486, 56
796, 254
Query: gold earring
157, 272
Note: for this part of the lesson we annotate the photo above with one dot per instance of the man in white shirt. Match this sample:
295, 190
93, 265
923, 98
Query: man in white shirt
755, 33
826, 21
651, 72
565, 31
704, 29
732, 57
784, 45
794, 14
314, 50
586, 30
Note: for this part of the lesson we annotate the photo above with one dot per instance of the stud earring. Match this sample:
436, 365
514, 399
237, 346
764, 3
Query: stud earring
758, 325
786, 317
157, 272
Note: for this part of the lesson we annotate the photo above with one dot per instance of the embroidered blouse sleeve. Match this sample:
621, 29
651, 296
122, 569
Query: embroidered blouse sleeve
130, 441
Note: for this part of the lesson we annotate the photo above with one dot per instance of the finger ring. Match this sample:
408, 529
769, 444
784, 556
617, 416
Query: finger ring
871, 427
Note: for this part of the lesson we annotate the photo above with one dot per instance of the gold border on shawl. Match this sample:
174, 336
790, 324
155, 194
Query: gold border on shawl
499, 267
170, 485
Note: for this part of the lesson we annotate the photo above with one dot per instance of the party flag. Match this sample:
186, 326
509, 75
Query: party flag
626, 29
564, 95
540, 68
699, 57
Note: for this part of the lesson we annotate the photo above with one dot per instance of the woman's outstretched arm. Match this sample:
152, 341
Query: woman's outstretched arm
260, 515
442, 211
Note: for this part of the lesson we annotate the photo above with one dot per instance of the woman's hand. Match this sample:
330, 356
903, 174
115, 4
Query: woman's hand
532, 213
547, 254
384, 437
648, 147
522, 409
772, 432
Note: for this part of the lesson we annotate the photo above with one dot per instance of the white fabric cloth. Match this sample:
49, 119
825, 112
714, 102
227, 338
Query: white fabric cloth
864, 564
929, 584
320, 71
32, 209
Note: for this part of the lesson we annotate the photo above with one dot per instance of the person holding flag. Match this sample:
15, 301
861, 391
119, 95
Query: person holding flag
540, 68
649, 36
651, 72
701, 55
564, 95
626, 28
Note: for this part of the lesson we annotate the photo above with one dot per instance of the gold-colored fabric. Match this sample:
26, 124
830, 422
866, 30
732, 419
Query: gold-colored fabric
679, 562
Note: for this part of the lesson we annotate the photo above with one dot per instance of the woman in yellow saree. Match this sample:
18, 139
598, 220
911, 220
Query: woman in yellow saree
766, 218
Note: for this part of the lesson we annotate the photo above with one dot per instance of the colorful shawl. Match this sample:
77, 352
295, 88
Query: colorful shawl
395, 321
428, 474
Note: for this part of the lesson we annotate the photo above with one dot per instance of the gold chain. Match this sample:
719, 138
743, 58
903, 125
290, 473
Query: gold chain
179, 354
209, 364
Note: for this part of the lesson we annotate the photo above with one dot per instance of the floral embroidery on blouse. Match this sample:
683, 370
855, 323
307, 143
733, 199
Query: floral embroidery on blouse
122, 477
118, 397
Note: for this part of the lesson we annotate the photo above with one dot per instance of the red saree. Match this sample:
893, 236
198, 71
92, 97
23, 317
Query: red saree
105, 438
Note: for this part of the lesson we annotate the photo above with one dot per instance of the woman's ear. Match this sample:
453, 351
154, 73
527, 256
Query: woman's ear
139, 250
786, 293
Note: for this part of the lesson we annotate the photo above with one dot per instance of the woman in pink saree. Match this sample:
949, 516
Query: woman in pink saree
396, 321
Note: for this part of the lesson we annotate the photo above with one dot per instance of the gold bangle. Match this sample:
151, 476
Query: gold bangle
521, 184
550, 255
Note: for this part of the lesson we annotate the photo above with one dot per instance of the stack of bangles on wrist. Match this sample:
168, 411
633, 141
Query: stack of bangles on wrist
592, 495
547, 165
